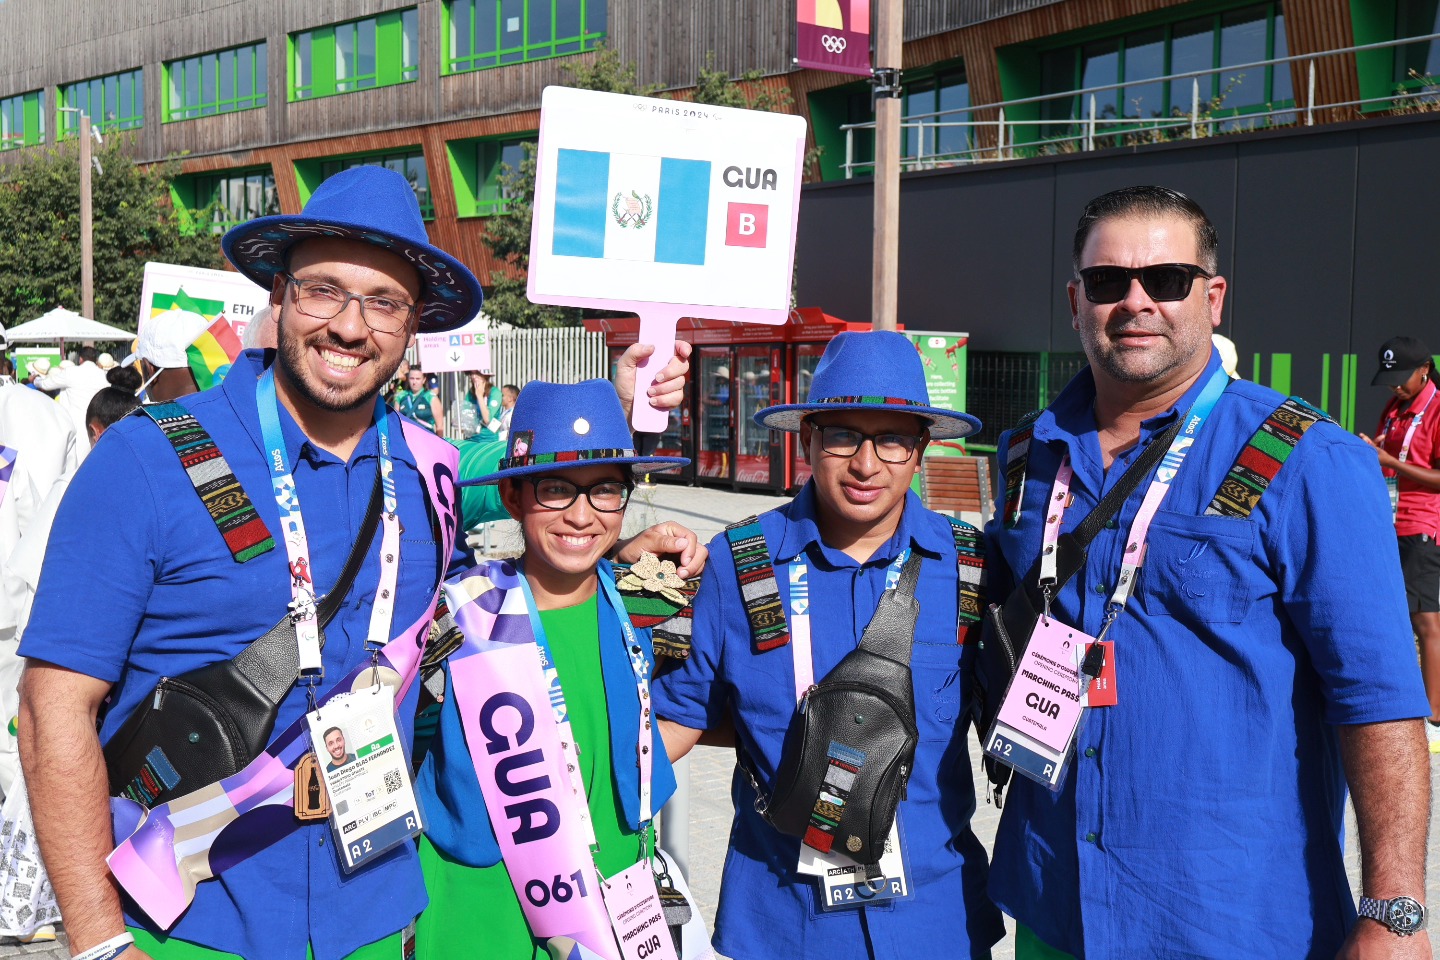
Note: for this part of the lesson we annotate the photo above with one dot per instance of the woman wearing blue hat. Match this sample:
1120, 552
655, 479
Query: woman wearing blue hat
546, 750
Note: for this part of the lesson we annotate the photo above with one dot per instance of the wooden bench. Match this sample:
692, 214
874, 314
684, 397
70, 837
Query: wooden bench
959, 486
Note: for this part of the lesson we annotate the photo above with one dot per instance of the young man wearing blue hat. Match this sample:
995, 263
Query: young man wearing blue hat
494, 863
760, 642
197, 571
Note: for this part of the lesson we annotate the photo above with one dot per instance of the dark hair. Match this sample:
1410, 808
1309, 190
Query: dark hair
7, 369
124, 378
89, 354
326, 734
109, 405
1149, 201
512, 388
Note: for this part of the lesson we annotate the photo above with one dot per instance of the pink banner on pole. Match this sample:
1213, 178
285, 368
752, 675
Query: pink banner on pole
834, 35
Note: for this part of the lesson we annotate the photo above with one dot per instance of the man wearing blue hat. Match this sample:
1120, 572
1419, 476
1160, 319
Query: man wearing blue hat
784, 598
197, 571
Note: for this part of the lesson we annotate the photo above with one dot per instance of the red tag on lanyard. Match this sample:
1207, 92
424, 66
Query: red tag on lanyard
1102, 688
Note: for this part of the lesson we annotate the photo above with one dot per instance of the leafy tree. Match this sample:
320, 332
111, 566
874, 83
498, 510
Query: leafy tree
508, 236
134, 221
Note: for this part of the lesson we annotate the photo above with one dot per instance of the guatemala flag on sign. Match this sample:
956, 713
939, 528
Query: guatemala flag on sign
616, 206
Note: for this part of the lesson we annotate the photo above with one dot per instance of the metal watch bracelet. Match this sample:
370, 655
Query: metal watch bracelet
1401, 915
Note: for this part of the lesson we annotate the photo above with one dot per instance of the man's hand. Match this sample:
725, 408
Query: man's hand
669, 387
1387, 461
1371, 941
668, 541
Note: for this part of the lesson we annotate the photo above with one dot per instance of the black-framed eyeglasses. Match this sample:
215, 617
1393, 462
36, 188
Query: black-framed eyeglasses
1163, 282
605, 496
325, 301
846, 442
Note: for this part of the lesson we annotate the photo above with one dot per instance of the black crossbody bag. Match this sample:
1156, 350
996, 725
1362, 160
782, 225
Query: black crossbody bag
864, 708
1007, 627
202, 726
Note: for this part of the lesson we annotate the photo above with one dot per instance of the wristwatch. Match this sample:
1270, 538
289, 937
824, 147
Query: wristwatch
1402, 915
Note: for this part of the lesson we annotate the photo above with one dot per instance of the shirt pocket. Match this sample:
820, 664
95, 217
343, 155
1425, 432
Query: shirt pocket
1198, 568
935, 676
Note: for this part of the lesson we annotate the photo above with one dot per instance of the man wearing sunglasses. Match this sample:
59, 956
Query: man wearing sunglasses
832, 552
1256, 655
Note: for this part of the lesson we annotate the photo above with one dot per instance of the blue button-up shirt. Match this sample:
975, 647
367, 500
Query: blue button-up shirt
767, 908
1203, 814
138, 585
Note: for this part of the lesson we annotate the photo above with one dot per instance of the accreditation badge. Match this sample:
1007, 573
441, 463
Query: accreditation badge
1041, 711
367, 774
845, 883
632, 899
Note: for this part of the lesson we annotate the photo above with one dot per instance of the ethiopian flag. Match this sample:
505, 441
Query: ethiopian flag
212, 353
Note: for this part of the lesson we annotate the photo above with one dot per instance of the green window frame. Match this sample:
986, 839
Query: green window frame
943, 88
232, 196
22, 120
225, 81
113, 102
377, 51
409, 163
479, 34
1208, 41
477, 168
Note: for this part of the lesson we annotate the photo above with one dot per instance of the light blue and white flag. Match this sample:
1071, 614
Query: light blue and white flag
617, 206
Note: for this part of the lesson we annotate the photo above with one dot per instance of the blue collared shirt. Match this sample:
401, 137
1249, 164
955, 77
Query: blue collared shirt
1203, 814
138, 585
768, 909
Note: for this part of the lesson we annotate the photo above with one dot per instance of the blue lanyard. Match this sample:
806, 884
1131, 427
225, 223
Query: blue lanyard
297, 545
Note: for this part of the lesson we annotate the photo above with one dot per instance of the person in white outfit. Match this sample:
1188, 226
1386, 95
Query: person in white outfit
76, 385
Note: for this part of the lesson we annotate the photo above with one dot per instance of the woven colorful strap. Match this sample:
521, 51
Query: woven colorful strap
670, 627
756, 575
1261, 459
225, 500
970, 566
1016, 455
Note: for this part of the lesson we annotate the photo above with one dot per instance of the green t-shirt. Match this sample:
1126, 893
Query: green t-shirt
465, 900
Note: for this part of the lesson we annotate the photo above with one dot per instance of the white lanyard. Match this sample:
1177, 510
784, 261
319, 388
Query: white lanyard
297, 545
1415, 419
639, 666
801, 652
1134, 554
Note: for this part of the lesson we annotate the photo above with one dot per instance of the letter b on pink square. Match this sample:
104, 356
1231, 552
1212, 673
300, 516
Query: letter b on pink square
745, 224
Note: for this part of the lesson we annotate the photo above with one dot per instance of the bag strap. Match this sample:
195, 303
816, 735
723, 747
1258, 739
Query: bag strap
1262, 457
970, 570
229, 506
755, 572
1017, 454
891, 631
273, 661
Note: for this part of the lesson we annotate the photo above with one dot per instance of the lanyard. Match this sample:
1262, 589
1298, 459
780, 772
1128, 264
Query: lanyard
1134, 554
1410, 431
297, 544
639, 666
798, 574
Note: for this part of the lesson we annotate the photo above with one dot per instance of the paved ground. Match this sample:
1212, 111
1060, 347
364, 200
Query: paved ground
707, 512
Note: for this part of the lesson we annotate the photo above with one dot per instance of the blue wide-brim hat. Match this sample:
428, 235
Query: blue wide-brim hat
373, 205
878, 370
559, 425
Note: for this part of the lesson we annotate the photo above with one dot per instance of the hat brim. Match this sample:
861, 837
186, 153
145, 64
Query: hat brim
451, 295
944, 424
1392, 378
637, 465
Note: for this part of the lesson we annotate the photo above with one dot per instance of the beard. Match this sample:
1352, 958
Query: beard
291, 358
1181, 340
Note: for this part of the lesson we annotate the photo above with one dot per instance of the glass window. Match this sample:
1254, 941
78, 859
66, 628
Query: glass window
410, 43
1417, 18
487, 33
410, 164
1192, 47
237, 196
219, 82
22, 120
484, 165
1100, 66
1144, 58
114, 102
1242, 40
356, 55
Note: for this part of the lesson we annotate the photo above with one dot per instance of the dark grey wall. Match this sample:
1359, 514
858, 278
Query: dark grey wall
1330, 239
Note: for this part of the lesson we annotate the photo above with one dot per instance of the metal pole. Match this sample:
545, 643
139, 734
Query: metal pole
1310, 98
87, 239
849, 153
1090, 134
884, 294
675, 819
1000, 136
1194, 108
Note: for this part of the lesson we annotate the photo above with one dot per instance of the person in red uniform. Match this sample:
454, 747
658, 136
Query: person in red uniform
1408, 442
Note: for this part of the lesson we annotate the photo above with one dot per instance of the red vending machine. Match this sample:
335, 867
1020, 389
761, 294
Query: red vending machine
713, 387
675, 441
807, 357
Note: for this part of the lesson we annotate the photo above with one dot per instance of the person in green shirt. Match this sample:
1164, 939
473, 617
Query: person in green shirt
483, 401
566, 478
419, 403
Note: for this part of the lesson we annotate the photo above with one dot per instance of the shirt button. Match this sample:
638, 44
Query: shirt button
1090, 751
320, 842
1100, 589
1091, 837
1112, 524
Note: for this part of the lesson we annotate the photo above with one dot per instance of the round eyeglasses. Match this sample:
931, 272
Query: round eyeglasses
606, 496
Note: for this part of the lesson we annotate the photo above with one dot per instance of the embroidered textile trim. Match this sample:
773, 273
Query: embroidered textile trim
756, 575
1015, 458
840, 774
228, 504
970, 566
873, 400
1261, 459
565, 456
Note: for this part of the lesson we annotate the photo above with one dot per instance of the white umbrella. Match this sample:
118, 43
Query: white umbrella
61, 324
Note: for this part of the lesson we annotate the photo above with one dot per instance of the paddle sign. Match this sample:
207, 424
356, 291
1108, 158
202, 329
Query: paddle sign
665, 209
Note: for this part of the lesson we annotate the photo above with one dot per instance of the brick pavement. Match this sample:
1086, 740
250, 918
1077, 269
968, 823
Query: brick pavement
707, 511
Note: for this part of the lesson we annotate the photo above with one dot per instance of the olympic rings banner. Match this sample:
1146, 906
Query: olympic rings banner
834, 35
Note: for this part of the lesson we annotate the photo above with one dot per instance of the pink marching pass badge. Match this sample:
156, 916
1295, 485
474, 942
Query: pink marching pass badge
638, 919
1043, 701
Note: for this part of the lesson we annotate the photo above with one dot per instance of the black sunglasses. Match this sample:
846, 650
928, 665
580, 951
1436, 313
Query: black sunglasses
1162, 281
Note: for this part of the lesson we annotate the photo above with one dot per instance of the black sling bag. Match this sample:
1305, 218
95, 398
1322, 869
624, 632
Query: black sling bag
1007, 628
